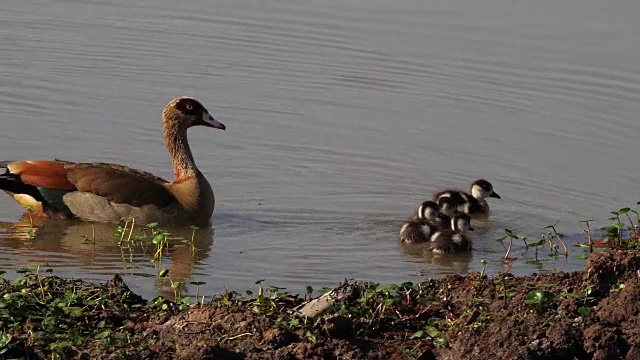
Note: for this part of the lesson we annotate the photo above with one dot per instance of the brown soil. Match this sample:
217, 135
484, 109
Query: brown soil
588, 315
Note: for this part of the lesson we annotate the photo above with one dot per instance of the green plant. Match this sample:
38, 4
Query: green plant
197, 285
56, 314
540, 298
585, 299
506, 293
5, 342
269, 303
617, 287
511, 236
587, 230
31, 231
559, 237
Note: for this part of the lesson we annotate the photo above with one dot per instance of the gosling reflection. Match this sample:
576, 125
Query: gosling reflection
99, 247
459, 262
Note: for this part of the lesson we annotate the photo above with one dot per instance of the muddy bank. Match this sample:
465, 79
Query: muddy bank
593, 314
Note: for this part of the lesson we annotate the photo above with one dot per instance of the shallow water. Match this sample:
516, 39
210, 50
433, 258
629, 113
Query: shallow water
342, 117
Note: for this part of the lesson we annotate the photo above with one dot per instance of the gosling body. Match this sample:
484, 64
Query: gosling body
472, 203
454, 239
424, 222
441, 239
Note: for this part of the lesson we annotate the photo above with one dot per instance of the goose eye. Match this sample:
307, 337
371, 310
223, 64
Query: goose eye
189, 107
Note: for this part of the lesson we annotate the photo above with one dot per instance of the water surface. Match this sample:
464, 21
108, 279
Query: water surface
342, 117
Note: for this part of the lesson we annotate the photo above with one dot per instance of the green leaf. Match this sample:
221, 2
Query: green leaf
588, 290
60, 345
159, 239
73, 311
5, 339
406, 284
440, 341
574, 295
417, 335
510, 234
537, 243
617, 287
103, 334
538, 297
584, 311
177, 284
186, 300
432, 331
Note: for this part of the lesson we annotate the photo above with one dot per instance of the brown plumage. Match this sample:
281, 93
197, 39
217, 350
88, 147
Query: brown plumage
106, 192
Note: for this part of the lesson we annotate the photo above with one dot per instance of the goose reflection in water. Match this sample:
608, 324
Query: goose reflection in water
95, 248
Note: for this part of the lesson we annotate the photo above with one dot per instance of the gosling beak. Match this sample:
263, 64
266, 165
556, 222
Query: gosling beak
470, 229
211, 122
495, 195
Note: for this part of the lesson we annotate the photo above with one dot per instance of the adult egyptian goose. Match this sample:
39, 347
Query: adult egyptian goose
111, 193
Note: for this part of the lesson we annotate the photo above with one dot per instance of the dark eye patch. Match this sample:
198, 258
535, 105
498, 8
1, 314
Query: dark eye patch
189, 107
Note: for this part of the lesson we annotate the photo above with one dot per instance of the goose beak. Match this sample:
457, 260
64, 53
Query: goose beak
495, 195
471, 229
211, 122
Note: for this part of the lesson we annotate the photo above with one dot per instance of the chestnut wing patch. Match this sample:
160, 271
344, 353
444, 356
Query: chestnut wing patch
120, 184
41, 173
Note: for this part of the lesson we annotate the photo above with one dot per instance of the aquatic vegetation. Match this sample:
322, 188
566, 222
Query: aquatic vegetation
557, 236
511, 236
31, 232
483, 262
131, 234
623, 233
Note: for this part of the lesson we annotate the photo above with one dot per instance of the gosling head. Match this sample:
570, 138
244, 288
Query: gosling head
481, 189
461, 223
428, 210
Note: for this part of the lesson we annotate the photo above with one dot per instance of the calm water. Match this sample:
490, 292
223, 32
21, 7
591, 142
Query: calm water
342, 117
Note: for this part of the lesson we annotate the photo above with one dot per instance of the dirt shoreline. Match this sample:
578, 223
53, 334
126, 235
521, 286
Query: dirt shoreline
594, 314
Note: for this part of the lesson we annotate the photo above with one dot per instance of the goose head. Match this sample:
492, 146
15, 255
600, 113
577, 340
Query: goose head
184, 112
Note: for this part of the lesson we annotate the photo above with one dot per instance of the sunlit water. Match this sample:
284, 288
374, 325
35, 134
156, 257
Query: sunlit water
342, 117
